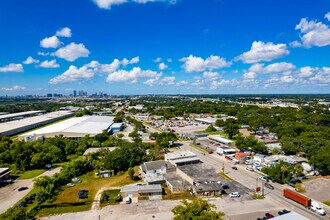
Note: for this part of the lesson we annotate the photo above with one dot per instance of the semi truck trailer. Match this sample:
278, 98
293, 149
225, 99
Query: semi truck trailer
303, 200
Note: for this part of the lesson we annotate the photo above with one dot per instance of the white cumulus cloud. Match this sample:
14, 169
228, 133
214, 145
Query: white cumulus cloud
169, 80
327, 16
50, 42
131, 76
12, 67
261, 51
272, 68
64, 32
198, 64
162, 66
211, 76
72, 51
13, 89
313, 33
126, 61
182, 83
249, 75
30, 60
107, 4
49, 64
73, 74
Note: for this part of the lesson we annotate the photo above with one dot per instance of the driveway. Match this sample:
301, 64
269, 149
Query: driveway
9, 195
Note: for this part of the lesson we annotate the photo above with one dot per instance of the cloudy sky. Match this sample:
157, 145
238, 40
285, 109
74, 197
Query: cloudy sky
164, 46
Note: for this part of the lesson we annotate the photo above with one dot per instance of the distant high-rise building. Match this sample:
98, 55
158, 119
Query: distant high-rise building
49, 95
74, 93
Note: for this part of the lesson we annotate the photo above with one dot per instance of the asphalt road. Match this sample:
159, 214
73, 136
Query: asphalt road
250, 180
9, 195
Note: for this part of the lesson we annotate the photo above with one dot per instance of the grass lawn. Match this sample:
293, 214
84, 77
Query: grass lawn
327, 203
68, 201
30, 174
225, 176
113, 197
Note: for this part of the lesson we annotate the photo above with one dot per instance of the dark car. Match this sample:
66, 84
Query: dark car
23, 204
268, 215
225, 187
284, 211
23, 188
234, 168
269, 186
82, 194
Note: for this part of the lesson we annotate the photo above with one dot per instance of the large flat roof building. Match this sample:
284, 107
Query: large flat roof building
19, 115
19, 126
74, 128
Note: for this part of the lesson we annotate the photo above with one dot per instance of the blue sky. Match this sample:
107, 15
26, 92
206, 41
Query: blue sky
164, 46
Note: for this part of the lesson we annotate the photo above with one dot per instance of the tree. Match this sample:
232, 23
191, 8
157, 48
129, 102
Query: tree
198, 209
210, 128
298, 170
231, 128
131, 172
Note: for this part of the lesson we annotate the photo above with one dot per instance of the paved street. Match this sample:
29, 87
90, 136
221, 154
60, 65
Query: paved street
9, 195
249, 180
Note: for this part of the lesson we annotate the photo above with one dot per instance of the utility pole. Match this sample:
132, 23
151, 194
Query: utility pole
223, 168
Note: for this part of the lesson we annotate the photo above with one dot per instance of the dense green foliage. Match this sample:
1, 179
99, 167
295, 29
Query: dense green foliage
250, 143
281, 172
197, 209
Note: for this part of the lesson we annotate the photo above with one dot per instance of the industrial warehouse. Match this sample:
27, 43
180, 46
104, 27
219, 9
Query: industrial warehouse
74, 128
18, 126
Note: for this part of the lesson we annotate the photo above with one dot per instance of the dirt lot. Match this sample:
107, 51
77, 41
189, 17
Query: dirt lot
318, 188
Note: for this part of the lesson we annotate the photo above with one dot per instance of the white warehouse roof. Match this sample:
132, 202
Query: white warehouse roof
75, 127
220, 139
19, 114
22, 125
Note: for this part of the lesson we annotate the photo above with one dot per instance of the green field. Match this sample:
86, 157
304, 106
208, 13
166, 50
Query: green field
30, 174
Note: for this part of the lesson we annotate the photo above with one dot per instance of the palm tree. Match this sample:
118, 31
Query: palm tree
284, 169
298, 169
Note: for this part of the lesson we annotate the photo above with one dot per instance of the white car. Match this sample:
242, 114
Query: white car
249, 168
234, 194
264, 178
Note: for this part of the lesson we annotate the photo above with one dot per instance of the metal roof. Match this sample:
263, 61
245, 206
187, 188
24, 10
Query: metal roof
290, 216
11, 125
134, 188
81, 125
19, 114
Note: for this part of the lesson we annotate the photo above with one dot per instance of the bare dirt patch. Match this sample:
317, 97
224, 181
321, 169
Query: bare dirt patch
317, 188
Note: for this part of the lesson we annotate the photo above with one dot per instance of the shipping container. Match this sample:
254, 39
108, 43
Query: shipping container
297, 197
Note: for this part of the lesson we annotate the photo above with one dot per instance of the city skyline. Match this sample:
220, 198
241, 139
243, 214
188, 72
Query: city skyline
123, 47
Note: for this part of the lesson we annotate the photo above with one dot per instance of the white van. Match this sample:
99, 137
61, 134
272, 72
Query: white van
317, 208
128, 200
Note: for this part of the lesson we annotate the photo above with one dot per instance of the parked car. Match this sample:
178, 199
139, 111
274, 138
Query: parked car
269, 186
82, 194
268, 215
76, 180
249, 168
284, 211
128, 200
23, 188
234, 194
225, 187
70, 184
234, 168
264, 178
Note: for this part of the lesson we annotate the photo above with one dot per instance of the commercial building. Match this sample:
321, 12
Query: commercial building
19, 126
152, 172
134, 191
116, 127
209, 120
221, 140
19, 115
180, 158
74, 128
223, 150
